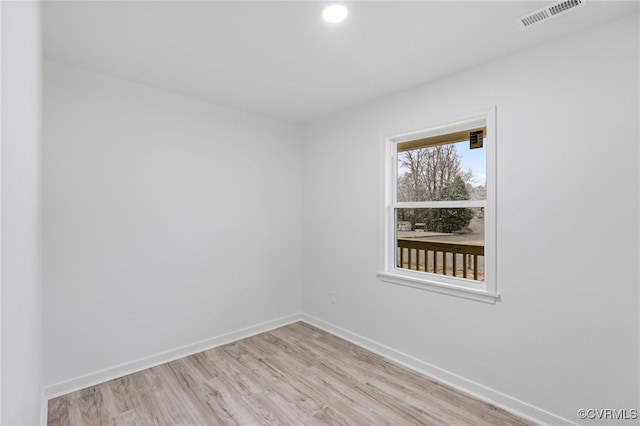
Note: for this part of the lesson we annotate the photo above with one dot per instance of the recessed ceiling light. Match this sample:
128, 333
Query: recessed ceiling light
335, 13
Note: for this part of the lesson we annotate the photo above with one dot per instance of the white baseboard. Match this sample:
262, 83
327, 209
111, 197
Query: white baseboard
527, 411
121, 370
498, 399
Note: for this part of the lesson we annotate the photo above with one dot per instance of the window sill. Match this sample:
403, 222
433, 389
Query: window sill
450, 289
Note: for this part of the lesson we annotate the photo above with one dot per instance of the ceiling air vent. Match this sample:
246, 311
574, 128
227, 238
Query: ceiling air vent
548, 12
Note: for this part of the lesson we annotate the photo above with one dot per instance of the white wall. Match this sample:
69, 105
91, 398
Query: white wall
167, 221
21, 215
566, 334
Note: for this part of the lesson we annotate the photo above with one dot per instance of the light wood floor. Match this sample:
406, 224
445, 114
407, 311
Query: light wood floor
295, 375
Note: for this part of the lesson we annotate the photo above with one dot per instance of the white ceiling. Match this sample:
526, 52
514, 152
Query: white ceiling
281, 60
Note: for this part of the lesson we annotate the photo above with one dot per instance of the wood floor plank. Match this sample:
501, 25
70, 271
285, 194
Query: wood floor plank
120, 395
378, 413
152, 400
183, 390
329, 416
174, 400
274, 382
58, 411
89, 409
262, 344
296, 375
133, 417
205, 368
228, 404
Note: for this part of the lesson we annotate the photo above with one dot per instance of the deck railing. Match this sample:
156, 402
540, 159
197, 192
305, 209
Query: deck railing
464, 260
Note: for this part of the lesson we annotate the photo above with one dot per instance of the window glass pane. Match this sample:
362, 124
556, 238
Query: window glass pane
445, 241
446, 172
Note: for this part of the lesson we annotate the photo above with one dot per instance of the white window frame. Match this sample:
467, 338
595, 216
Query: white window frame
389, 272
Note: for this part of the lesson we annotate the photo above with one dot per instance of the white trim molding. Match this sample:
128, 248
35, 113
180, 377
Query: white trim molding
439, 287
121, 370
481, 392
483, 291
462, 384
476, 390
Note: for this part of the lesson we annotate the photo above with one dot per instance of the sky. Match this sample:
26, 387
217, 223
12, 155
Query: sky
474, 159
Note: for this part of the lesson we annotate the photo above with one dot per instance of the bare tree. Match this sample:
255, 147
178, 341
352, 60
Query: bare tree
433, 174
428, 171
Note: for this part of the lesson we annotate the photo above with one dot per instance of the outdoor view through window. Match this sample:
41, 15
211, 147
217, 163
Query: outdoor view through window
443, 181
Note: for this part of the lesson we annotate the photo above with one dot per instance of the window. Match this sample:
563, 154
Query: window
439, 208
